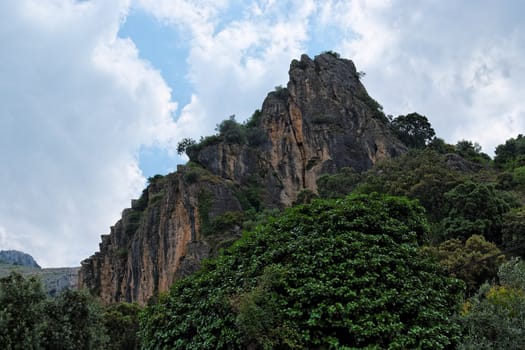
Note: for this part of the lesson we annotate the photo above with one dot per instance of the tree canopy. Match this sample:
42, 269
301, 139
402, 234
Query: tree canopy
511, 154
494, 317
413, 129
331, 274
29, 319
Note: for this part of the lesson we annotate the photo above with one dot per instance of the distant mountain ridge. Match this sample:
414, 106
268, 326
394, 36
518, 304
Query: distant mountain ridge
54, 280
15, 257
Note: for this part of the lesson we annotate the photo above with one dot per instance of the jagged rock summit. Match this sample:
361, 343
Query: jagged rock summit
322, 121
15, 257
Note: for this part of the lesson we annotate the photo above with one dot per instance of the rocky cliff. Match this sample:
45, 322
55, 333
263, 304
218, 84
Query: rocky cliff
322, 121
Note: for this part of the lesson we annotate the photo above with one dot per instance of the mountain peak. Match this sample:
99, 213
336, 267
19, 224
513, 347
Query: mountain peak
323, 121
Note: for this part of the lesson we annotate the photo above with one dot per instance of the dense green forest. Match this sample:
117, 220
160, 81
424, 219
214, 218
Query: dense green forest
422, 251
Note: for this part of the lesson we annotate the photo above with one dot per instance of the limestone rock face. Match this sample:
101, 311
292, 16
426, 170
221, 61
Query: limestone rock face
322, 121
159, 238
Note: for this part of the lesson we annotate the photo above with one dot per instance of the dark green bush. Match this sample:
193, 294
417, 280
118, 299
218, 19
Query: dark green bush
332, 274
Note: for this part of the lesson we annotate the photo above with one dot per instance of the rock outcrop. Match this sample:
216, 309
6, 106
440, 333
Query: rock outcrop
322, 121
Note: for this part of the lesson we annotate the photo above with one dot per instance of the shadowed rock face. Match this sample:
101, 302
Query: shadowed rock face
324, 120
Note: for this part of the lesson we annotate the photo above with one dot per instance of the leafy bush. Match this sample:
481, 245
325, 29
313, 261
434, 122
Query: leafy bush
474, 261
225, 222
513, 231
122, 323
471, 151
475, 208
30, 320
518, 175
281, 91
338, 185
511, 154
495, 317
255, 120
74, 321
332, 274
419, 174
231, 131
21, 312
332, 53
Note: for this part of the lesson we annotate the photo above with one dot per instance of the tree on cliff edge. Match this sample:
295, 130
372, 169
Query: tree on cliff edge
413, 129
331, 274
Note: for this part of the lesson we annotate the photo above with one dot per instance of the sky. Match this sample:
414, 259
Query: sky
95, 94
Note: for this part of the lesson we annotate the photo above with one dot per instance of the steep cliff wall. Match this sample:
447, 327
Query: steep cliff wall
159, 238
322, 121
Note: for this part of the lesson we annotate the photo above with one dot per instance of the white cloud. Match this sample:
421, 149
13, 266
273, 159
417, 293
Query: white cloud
77, 103
459, 63
233, 64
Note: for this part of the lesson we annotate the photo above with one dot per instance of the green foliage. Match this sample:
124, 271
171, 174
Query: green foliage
74, 321
21, 306
337, 185
155, 179
231, 131
131, 221
332, 53
184, 144
156, 198
475, 208
281, 92
205, 142
29, 320
377, 109
122, 324
226, 222
255, 120
418, 174
255, 134
518, 176
260, 218
440, 146
474, 261
471, 151
413, 129
332, 274
361, 74
249, 195
495, 317
305, 196
142, 202
513, 231
191, 176
511, 154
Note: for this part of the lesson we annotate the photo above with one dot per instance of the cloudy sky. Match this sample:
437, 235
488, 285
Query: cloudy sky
95, 94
